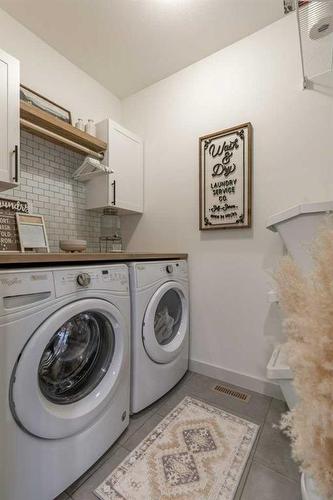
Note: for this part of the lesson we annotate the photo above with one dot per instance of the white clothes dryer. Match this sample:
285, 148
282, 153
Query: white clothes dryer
65, 374
160, 329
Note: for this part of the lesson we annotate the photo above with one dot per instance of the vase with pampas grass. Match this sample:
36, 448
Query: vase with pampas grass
307, 302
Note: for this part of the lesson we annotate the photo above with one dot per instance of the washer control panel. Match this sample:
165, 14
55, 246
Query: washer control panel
112, 278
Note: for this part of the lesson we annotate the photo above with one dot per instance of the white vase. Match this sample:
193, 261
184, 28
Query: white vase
308, 488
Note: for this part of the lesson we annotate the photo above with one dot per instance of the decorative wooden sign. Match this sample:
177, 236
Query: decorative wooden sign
225, 178
9, 237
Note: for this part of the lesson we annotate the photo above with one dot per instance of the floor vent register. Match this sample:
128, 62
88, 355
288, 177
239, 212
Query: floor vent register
242, 396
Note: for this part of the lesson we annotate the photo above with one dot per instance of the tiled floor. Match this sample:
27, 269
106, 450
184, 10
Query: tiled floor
270, 473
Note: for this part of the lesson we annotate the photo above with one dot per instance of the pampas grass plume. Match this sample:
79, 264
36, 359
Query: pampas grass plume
307, 303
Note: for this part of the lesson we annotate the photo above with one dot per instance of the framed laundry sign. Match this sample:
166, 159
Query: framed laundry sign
225, 178
9, 237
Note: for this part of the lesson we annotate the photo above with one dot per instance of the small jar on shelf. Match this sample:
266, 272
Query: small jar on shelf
79, 124
90, 128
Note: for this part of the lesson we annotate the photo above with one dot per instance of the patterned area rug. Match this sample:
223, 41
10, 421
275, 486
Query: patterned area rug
197, 452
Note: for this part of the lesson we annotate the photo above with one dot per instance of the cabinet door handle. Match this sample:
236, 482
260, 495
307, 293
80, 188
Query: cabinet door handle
16, 155
114, 192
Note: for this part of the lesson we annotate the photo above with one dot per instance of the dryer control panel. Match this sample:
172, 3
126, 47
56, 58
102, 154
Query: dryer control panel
147, 273
111, 278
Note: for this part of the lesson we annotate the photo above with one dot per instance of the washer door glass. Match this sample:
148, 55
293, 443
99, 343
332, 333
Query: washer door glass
168, 317
76, 358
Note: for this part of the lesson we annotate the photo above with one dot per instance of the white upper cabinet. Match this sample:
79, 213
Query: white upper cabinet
123, 188
9, 121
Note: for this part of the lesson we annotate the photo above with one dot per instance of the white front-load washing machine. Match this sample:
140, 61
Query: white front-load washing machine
160, 329
65, 374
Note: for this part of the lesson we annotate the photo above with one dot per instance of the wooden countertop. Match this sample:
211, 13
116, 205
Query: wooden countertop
42, 259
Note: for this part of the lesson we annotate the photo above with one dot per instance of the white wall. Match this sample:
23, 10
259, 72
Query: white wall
259, 80
52, 75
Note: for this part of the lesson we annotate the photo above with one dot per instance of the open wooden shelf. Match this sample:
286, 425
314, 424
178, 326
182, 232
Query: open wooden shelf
40, 123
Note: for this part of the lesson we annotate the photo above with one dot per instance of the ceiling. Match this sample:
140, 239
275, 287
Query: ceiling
127, 45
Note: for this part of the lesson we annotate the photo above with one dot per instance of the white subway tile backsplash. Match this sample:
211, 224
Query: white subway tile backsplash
25, 161
47, 182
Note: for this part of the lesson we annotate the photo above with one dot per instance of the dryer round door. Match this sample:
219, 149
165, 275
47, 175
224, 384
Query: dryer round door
69, 369
165, 325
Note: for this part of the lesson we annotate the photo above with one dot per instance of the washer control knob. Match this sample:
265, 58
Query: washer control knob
83, 279
169, 268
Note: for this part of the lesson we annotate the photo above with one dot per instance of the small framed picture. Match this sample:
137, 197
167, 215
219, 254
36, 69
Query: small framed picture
32, 233
31, 97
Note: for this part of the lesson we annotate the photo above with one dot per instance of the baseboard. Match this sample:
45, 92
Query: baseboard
246, 381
